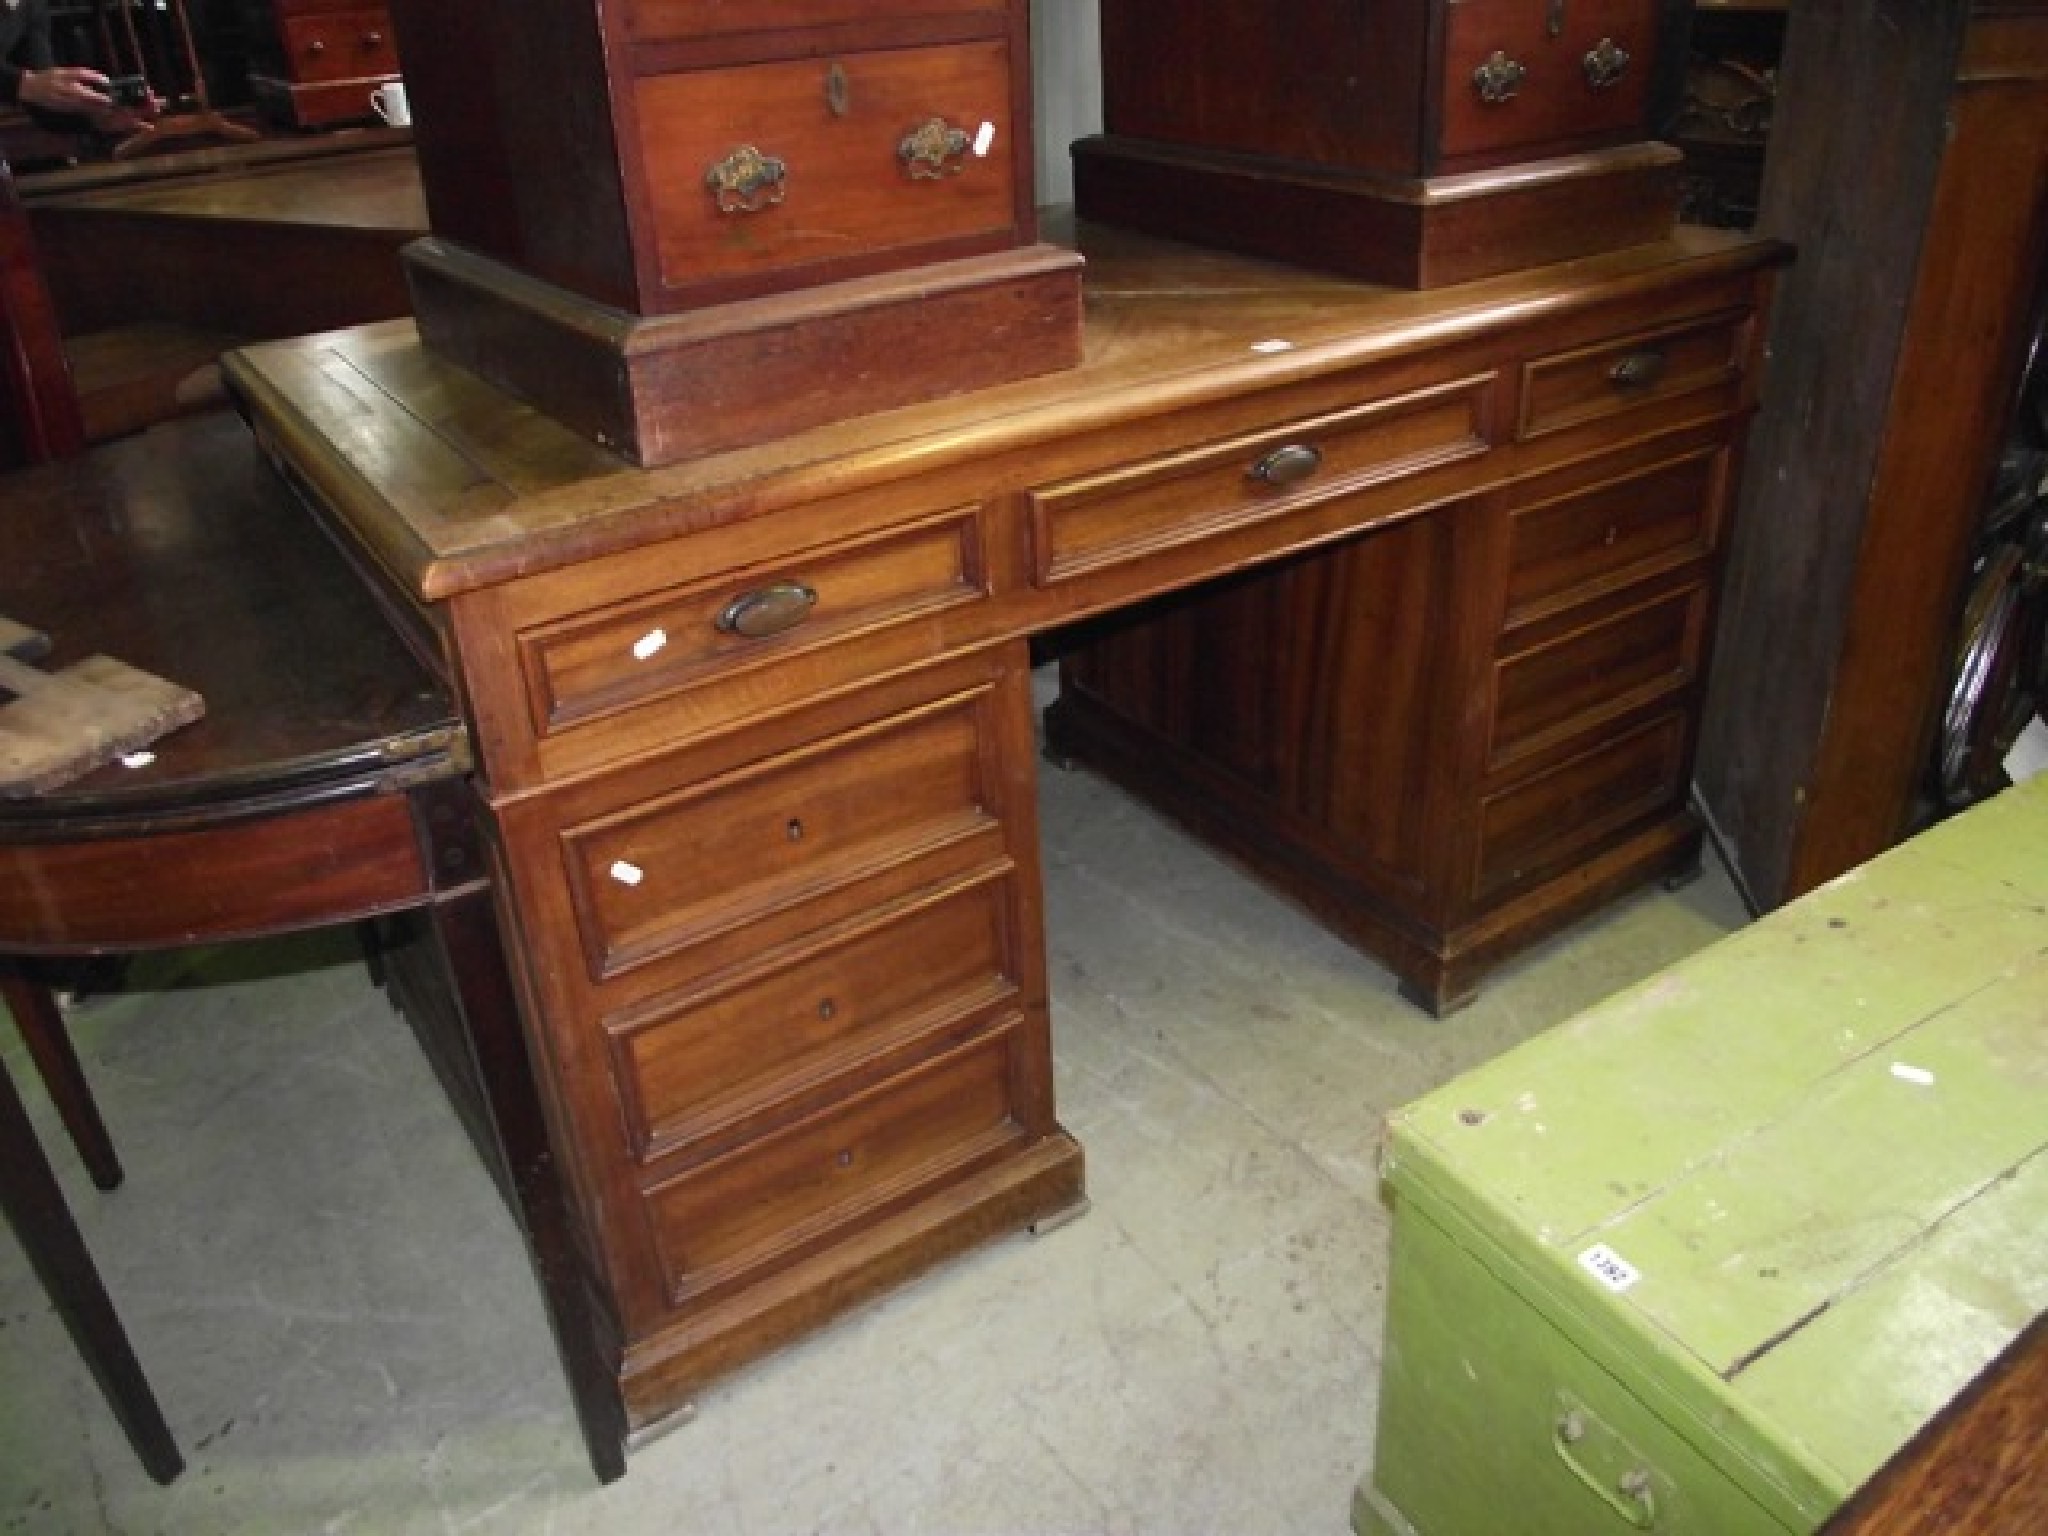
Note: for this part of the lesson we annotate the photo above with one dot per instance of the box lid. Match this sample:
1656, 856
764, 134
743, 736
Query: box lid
1794, 1185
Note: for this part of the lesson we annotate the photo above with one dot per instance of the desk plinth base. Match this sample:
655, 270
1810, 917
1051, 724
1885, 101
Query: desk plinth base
663, 1373
1419, 233
662, 388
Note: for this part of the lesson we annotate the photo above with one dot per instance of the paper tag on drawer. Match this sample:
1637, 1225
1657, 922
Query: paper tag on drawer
1609, 1268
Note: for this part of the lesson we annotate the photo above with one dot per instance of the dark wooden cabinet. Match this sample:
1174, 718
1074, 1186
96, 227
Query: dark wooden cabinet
682, 225
1898, 348
1407, 141
315, 63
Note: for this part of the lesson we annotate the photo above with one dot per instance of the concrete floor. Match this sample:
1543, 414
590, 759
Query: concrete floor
337, 1314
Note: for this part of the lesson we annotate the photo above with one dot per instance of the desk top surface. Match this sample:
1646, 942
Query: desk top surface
182, 552
451, 485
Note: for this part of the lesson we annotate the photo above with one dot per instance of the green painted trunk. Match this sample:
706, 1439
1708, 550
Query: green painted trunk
1701, 1259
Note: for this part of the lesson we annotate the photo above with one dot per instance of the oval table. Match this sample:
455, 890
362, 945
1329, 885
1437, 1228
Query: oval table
326, 783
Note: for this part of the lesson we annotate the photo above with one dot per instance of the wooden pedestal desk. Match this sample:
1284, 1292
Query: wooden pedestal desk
1705, 1258
755, 734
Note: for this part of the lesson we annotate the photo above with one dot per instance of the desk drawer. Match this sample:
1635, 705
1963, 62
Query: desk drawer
811, 831
1539, 825
777, 166
690, 635
1564, 548
1083, 525
1597, 672
700, 1063
1613, 378
781, 1198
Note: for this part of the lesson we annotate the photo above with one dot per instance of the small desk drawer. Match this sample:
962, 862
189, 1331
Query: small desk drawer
775, 1201
691, 635
786, 833
1628, 373
1567, 547
808, 161
1597, 672
1541, 824
339, 45
1523, 76
691, 1065
1125, 514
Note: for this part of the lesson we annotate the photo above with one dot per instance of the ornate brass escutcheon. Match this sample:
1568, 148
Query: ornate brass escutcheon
1499, 78
1605, 63
746, 181
933, 149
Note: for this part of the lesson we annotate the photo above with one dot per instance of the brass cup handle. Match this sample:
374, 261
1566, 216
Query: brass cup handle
1499, 78
769, 610
1605, 63
1287, 466
1639, 370
933, 150
746, 181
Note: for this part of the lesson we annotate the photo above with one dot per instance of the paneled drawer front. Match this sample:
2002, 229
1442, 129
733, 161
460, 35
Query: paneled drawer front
1628, 373
815, 160
689, 1065
1539, 825
1082, 525
1597, 672
779, 1198
341, 45
1519, 74
684, 20
684, 637
1564, 547
793, 829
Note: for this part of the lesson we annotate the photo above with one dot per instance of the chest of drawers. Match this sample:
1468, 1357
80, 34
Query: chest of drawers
1703, 1258
682, 225
1407, 141
315, 62
756, 740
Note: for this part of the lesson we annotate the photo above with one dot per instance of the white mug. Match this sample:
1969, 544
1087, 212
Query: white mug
389, 103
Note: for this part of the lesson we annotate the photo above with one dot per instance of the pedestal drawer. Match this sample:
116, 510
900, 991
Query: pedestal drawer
1628, 373
704, 1062
793, 841
1564, 548
780, 1198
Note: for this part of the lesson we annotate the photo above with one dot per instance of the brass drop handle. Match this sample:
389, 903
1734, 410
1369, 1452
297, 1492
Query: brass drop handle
769, 610
1639, 370
1287, 466
934, 149
1605, 63
1499, 78
746, 181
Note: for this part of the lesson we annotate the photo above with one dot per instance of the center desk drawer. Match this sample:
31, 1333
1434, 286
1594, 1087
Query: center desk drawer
692, 642
1136, 511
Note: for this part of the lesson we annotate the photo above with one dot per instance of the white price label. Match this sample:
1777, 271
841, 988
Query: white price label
1609, 1267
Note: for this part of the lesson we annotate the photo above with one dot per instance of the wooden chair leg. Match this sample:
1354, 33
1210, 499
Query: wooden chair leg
49, 1043
35, 1206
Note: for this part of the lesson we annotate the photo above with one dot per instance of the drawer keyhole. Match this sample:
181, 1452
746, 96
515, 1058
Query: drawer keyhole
794, 831
827, 1009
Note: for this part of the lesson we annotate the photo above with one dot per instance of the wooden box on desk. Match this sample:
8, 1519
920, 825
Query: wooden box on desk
315, 63
1702, 1259
682, 226
1412, 142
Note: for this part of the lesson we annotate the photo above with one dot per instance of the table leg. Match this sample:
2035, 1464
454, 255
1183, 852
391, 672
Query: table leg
35, 1206
467, 931
49, 1044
